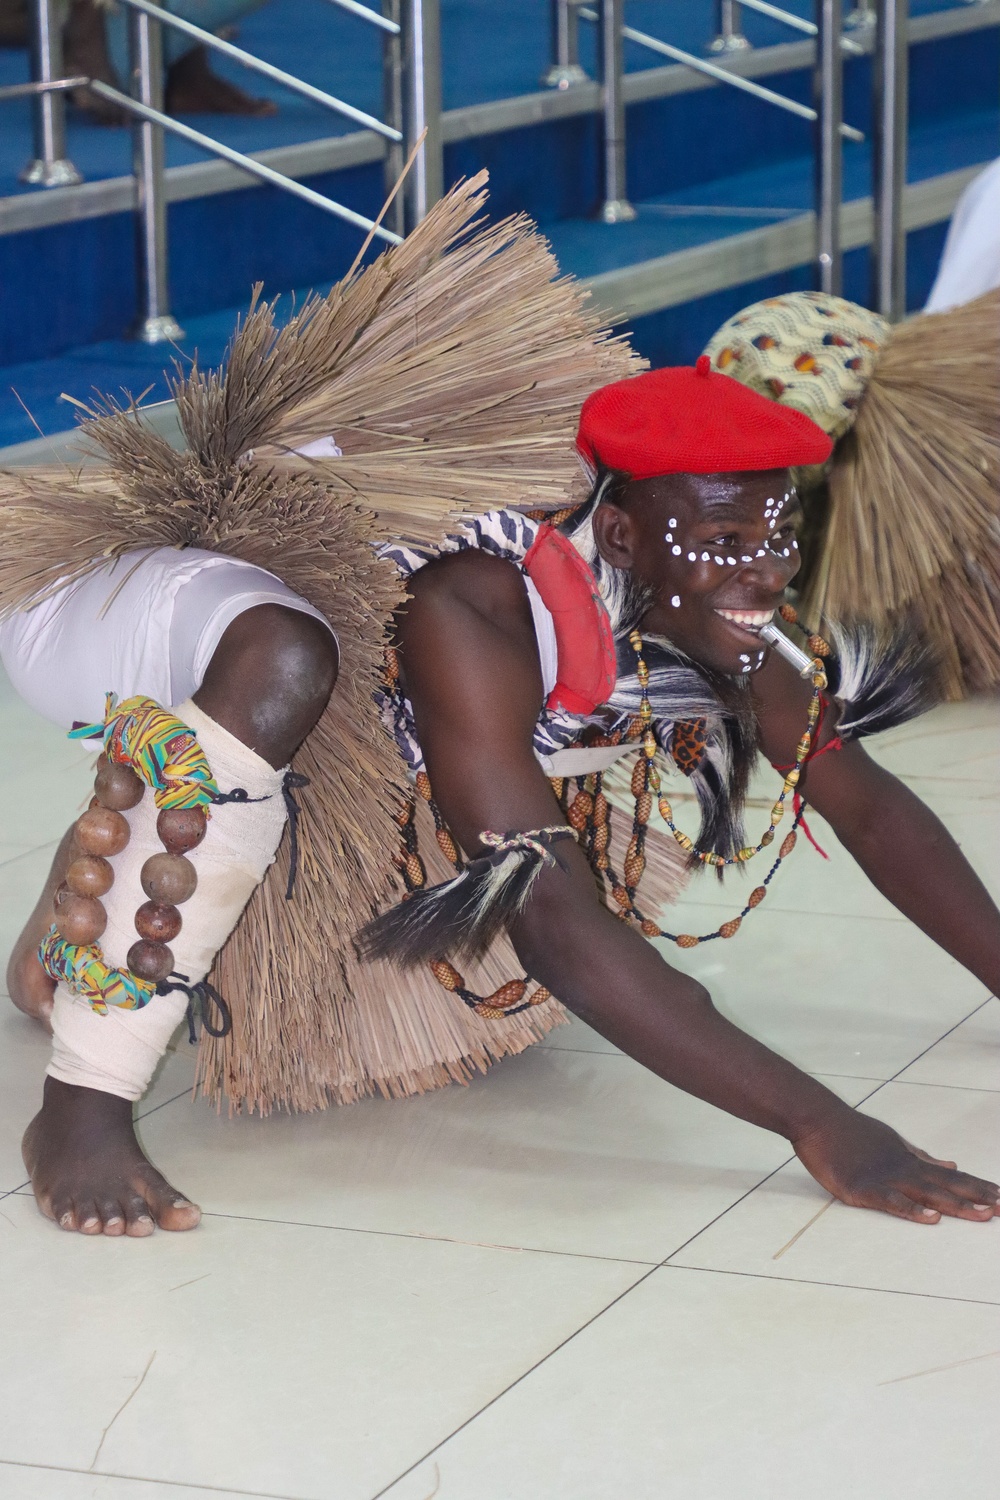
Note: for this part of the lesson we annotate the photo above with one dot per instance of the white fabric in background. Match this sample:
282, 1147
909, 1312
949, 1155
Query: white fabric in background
970, 262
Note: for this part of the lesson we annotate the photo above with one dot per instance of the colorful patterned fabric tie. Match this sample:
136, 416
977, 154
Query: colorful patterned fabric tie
84, 972
158, 747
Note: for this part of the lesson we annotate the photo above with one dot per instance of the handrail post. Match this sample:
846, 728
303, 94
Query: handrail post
565, 69
421, 37
829, 89
49, 165
155, 324
393, 114
729, 21
861, 17
616, 208
889, 120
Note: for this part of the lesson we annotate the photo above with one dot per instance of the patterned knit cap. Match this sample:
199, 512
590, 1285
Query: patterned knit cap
807, 350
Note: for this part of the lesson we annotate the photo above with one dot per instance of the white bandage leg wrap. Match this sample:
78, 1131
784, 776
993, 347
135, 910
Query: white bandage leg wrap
118, 1052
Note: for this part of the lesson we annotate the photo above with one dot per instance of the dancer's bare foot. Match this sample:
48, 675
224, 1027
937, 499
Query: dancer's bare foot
28, 985
89, 1172
193, 89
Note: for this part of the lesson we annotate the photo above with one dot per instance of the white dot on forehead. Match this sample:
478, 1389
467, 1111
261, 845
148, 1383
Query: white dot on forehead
676, 550
672, 523
668, 536
676, 601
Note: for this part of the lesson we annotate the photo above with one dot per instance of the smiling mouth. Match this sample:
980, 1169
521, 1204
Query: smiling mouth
751, 620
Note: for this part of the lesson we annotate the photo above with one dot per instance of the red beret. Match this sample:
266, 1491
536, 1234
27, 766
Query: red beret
694, 421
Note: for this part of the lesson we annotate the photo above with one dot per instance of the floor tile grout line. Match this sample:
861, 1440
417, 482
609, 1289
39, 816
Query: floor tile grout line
438, 1239
845, 1286
520, 1378
179, 1484
870, 1095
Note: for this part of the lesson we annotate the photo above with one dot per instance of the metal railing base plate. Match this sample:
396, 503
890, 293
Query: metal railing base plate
162, 330
51, 174
618, 211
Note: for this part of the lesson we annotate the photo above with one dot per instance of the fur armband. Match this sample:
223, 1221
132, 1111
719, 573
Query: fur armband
464, 915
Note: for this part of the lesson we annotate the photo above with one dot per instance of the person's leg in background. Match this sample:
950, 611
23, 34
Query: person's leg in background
96, 42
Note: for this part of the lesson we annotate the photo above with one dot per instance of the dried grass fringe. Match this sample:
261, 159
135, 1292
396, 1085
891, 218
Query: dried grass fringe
451, 372
913, 531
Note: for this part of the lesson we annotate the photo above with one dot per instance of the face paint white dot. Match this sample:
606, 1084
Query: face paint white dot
672, 524
692, 557
760, 552
746, 557
676, 550
669, 536
704, 557
676, 601
786, 552
731, 561
719, 560
743, 658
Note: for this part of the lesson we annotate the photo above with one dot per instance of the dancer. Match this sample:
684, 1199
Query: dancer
528, 660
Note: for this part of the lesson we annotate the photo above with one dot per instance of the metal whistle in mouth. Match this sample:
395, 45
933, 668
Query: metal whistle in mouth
778, 641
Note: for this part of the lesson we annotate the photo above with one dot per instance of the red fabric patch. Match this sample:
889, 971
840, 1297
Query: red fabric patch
587, 666
693, 421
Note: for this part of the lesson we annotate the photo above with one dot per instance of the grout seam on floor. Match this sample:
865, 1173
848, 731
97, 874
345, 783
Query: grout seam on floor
843, 1286
511, 1385
438, 1239
178, 1484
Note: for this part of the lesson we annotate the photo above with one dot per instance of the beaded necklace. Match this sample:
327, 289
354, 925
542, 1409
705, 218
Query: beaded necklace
589, 813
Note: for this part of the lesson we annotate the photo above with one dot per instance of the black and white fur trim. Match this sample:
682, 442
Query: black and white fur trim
879, 681
465, 915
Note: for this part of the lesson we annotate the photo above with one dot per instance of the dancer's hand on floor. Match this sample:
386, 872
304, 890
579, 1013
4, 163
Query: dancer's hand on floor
867, 1165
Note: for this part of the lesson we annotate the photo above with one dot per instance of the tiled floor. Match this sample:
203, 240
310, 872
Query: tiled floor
567, 1282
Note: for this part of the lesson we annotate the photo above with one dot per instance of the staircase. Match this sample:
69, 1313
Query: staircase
722, 184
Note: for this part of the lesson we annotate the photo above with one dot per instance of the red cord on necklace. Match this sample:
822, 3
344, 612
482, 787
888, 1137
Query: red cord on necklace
797, 801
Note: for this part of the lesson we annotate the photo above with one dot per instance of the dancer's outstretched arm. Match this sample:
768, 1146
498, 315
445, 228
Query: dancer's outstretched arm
471, 666
903, 847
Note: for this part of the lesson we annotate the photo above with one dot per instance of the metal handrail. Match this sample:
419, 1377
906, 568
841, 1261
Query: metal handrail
797, 23
53, 86
729, 37
565, 69
888, 294
828, 82
367, 14
49, 165
721, 75
227, 153
266, 69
